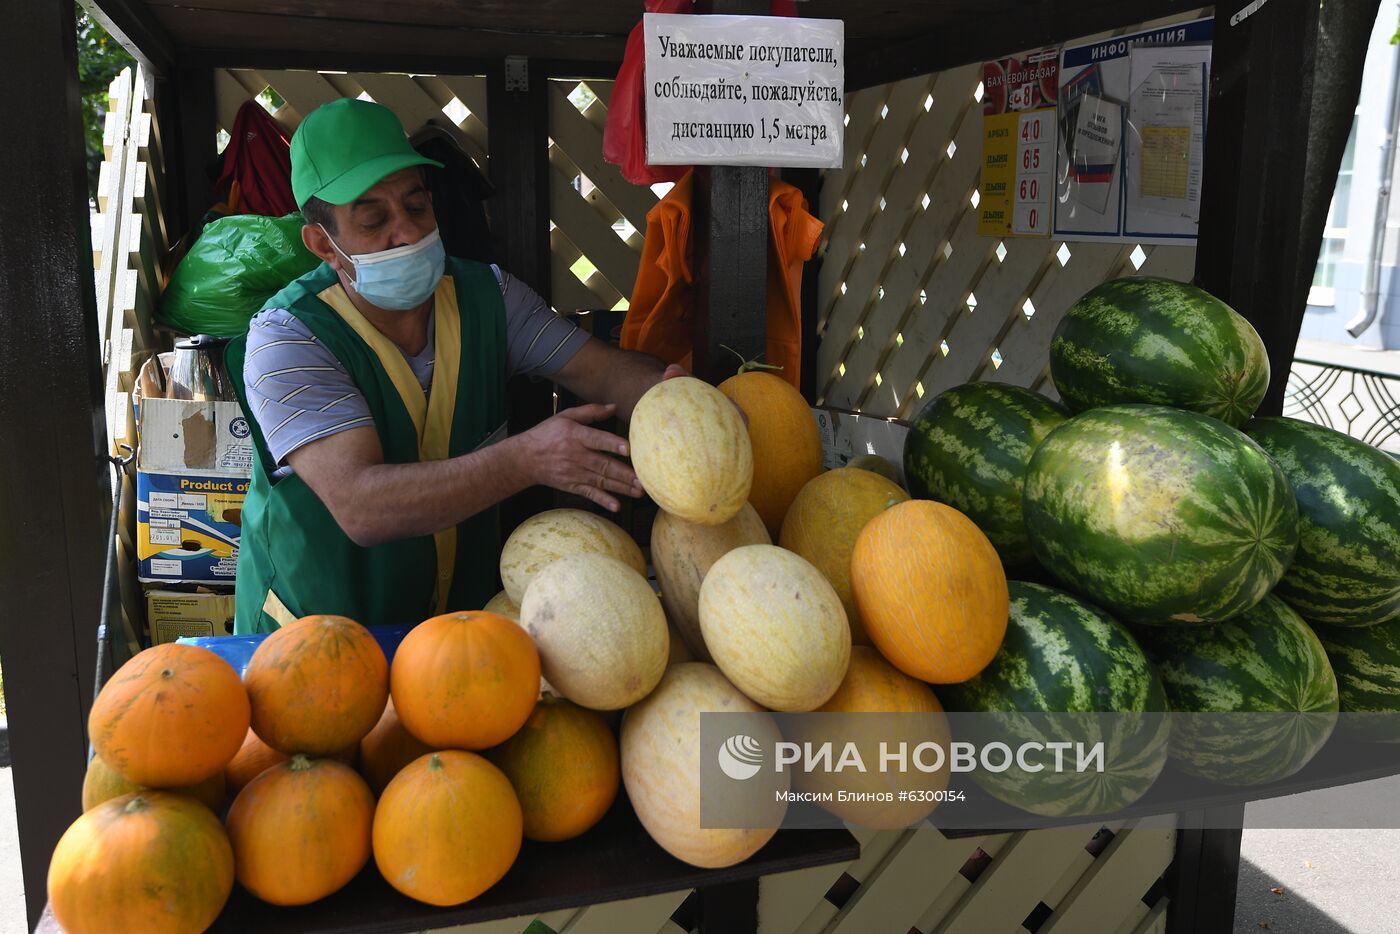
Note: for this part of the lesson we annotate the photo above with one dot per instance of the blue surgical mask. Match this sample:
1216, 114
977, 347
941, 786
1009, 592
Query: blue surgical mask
399, 279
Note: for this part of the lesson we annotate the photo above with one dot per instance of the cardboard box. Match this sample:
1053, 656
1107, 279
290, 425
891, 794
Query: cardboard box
846, 435
170, 614
192, 473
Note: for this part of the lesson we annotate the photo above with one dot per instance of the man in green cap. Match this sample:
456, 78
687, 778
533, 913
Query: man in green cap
374, 387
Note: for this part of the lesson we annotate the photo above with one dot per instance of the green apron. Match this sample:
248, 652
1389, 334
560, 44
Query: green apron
293, 558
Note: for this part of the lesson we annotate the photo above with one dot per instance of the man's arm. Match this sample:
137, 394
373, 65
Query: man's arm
599, 372
375, 502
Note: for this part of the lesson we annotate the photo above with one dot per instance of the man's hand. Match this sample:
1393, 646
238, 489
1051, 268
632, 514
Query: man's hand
673, 371
564, 453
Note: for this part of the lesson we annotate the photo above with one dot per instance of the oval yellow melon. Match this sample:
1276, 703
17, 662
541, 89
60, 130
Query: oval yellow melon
542, 539
874, 686
825, 520
661, 763
502, 605
931, 590
682, 553
787, 445
775, 627
691, 450
600, 630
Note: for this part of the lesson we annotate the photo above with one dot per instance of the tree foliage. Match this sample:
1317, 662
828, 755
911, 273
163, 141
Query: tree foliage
100, 59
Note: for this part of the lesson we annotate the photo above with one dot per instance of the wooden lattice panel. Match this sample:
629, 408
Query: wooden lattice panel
128, 239
912, 300
598, 220
456, 103
598, 217
1060, 881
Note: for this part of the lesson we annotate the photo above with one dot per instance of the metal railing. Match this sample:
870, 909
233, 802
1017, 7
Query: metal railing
1362, 403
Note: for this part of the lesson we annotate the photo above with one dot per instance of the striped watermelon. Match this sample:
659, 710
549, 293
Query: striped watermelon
1347, 570
1142, 339
1366, 660
969, 448
1062, 656
1267, 669
1159, 515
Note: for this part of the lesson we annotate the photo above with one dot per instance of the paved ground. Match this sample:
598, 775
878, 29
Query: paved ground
1342, 881
11, 884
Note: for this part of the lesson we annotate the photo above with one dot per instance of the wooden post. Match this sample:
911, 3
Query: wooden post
1205, 872
1256, 156
186, 100
730, 214
517, 104
54, 483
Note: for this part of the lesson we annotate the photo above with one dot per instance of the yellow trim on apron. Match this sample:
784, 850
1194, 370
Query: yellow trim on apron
432, 416
274, 607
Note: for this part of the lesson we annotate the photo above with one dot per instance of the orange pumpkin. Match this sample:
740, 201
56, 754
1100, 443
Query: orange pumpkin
301, 830
317, 686
825, 520
787, 445
465, 680
931, 591
874, 686
564, 767
172, 716
387, 749
151, 861
254, 757
103, 783
447, 828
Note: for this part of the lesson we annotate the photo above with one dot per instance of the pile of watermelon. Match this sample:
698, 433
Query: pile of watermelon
1243, 569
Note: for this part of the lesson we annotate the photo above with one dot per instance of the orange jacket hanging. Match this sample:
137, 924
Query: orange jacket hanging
663, 300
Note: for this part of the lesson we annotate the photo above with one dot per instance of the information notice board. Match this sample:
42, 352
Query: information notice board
1018, 145
1132, 116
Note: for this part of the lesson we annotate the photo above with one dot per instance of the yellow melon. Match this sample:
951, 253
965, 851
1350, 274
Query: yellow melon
682, 553
599, 628
787, 445
775, 627
691, 450
825, 520
912, 716
661, 766
545, 538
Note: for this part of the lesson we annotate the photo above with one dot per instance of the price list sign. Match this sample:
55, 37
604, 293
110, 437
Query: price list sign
1018, 145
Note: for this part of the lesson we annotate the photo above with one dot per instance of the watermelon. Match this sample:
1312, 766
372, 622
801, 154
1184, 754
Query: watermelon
1064, 657
1347, 570
1366, 660
1267, 669
969, 448
1159, 515
1142, 339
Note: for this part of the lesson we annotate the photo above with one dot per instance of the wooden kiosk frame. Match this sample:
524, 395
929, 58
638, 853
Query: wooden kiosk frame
1284, 85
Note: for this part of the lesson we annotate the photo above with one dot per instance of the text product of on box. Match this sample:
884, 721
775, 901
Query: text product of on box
744, 90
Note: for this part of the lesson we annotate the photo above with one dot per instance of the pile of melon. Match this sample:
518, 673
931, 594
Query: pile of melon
327, 758
493, 725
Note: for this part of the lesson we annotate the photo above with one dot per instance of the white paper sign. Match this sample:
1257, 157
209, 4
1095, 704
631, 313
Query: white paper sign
744, 90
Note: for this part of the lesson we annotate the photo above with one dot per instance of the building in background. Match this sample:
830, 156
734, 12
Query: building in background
1337, 299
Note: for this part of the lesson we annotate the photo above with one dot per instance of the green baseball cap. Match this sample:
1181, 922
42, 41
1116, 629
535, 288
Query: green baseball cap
343, 148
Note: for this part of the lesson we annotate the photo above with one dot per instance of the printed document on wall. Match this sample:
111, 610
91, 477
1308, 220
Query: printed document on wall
1166, 139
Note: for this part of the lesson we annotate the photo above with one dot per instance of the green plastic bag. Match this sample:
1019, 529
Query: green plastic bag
236, 265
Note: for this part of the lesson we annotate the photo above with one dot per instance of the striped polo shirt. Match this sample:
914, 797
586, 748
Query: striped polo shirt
300, 392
